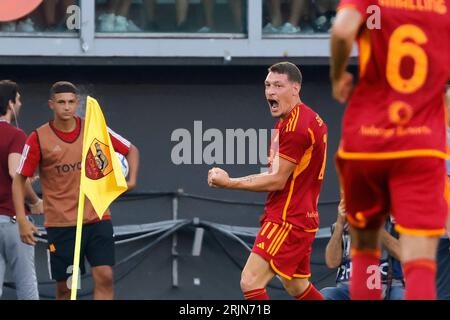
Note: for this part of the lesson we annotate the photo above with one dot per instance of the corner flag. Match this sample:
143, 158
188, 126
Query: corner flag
102, 179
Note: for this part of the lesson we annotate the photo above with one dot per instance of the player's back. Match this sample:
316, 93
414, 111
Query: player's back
397, 108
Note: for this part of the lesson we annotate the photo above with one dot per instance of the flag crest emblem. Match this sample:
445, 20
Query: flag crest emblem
98, 163
102, 179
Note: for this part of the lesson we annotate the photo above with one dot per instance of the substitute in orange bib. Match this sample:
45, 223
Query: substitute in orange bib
393, 148
56, 149
296, 169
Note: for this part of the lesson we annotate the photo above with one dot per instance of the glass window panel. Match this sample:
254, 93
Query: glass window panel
298, 17
49, 17
171, 16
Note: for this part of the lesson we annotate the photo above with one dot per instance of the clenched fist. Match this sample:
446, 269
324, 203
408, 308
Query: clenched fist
218, 178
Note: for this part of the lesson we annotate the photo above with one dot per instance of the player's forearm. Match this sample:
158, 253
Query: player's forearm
133, 161
18, 190
340, 53
343, 34
333, 251
259, 183
30, 195
391, 244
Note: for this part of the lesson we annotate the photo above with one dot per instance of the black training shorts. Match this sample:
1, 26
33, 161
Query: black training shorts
97, 245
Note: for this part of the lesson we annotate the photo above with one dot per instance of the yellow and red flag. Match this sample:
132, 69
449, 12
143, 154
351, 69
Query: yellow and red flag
102, 179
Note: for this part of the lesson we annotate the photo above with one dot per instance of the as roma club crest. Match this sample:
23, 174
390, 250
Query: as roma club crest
98, 161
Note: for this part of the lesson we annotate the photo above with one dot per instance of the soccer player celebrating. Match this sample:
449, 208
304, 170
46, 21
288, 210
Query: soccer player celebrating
55, 148
391, 156
296, 169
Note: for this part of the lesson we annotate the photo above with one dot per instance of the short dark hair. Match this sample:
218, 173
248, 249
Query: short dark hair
63, 87
289, 69
8, 92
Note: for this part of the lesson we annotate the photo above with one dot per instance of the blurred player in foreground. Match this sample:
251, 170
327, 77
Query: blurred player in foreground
393, 148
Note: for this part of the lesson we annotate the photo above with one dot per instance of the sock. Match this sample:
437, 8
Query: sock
311, 293
256, 294
365, 279
420, 279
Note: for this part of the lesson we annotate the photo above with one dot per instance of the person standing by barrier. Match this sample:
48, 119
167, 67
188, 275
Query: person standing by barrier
56, 148
19, 256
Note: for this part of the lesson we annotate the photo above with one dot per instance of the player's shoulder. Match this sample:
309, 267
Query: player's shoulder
32, 141
302, 121
12, 131
310, 119
42, 127
307, 110
290, 124
20, 133
296, 127
16, 130
33, 135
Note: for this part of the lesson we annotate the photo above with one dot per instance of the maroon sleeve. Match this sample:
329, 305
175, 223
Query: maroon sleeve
17, 142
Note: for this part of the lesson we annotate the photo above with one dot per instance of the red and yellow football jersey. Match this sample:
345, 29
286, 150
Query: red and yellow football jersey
302, 139
397, 109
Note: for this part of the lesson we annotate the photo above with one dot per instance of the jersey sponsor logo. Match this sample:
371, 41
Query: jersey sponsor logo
15, 9
312, 214
260, 245
98, 161
65, 168
400, 114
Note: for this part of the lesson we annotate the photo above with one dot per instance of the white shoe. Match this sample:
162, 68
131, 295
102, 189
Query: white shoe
8, 27
269, 28
25, 26
122, 24
132, 27
107, 22
331, 24
289, 28
204, 29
